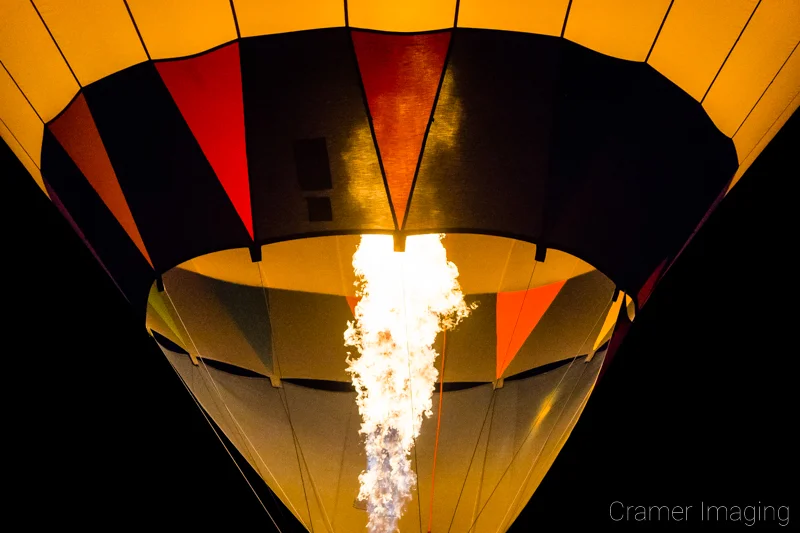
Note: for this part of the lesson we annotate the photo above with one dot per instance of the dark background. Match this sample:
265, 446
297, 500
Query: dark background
698, 405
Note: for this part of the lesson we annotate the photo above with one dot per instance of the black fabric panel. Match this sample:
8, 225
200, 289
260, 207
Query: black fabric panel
311, 161
319, 209
116, 250
180, 207
541, 139
301, 86
636, 163
486, 157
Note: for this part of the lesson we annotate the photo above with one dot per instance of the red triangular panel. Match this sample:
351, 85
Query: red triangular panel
77, 133
208, 92
352, 301
650, 284
620, 331
401, 75
517, 314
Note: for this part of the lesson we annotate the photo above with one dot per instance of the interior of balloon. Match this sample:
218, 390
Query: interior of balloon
260, 344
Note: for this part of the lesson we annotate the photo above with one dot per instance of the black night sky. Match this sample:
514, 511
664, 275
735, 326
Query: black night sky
698, 406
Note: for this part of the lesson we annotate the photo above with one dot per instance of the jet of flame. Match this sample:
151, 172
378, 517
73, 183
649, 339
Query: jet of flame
407, 298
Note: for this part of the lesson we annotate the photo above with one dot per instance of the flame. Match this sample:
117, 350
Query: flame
407, 298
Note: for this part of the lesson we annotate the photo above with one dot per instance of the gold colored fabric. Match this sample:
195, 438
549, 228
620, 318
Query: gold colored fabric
619, 28
609, 322
486, 264
20, 119
530, 419
772, 34
545, 17
175, 28
402, 15
97, 36
695, 39
33, 60
265, 17
776, 100
22, 155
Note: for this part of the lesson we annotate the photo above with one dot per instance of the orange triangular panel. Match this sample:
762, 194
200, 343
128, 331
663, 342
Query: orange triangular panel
76, 131
208, 92
518, 313
352, 301
401, 74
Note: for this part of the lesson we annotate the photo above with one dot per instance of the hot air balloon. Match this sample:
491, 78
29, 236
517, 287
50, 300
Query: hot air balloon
224, 161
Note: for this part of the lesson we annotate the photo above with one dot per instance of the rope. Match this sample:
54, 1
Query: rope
533, 426
242, 433
300, 456
205, 416
474, 451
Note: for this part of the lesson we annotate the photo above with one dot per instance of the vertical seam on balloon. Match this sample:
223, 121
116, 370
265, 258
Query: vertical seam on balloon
240, 430
205, 416
455, 18
235, 19
284, 397
724, 61
428, 127
372, 128
21, 91
768, 129
530, 431
566, 18
56, 43
658, 33
3, 122
765, 90
346, 15
483, 463
341, 465
489, 408
136, 27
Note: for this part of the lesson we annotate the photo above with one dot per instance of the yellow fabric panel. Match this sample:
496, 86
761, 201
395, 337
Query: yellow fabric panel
20, 118
22, 155
265, 17
97, 36
532, 16
163, 309
486, 264
630, 307
33, 59
779, 95
695, 39
770, 37
609, 322
767, 137
175, 28
619, 28
402, 15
